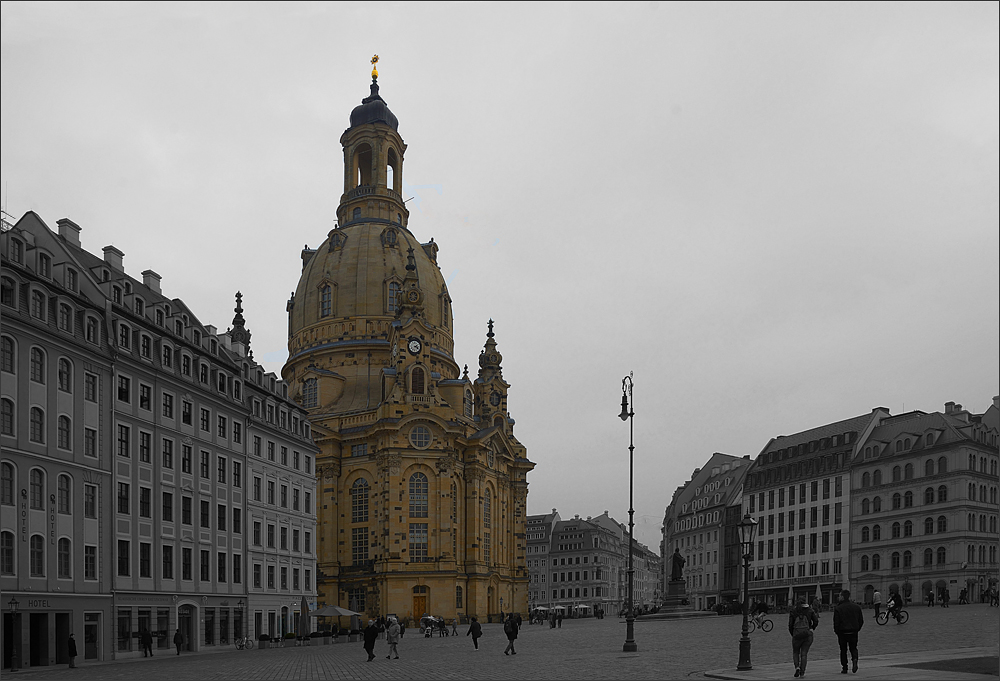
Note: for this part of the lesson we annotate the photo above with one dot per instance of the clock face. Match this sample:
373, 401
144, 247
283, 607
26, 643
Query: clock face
413, 346
495, 399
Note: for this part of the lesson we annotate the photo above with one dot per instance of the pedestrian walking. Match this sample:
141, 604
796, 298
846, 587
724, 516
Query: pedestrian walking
930, 598
946, 598
510, 629
371, 633
963, 597
402, 629
517, 620
847, 622
392, 638
71, 649
877, 600
454, 626
178, 641
559, 620
802, 622
146, 639
475, 631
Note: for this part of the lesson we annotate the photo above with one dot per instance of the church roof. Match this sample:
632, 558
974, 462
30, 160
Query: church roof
373, 109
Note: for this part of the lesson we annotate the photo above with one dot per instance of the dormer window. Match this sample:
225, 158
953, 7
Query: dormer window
389, 238
17, 251
325, 301
124, 336
38, 305
159, 317
215, 347
140, 307
71, 279
44, 265
8, 292
203, 372
222, 382
91, 330
196, 337
65, 318
105, 275
128, 287
179, 327
116, 295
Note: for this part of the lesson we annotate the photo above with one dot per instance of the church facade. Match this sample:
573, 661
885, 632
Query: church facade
421, 483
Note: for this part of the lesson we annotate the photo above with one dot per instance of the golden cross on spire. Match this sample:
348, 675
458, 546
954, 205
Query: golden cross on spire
374, 69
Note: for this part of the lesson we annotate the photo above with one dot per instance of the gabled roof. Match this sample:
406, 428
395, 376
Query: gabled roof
854, 424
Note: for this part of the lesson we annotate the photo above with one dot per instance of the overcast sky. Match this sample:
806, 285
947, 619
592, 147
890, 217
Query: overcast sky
776, 215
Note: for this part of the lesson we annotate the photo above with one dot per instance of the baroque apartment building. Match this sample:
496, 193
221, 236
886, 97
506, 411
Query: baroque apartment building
799, 492
126, 423
422, 484
695, 524
924, 506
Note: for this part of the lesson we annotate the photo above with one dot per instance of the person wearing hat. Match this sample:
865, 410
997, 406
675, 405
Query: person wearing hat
371, 633
72, 652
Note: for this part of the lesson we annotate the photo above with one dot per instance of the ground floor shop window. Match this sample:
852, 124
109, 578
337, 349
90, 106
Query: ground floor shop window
124, 629
210, 626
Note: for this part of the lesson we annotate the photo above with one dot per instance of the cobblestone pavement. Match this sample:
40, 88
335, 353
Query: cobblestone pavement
581, 649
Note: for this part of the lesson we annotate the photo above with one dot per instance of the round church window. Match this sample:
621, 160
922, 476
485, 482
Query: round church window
420, 437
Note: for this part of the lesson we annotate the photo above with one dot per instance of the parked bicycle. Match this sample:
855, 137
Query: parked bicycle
244, 642
901, 616
759, 621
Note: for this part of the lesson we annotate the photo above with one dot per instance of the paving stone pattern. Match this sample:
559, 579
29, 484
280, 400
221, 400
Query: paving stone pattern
581, 649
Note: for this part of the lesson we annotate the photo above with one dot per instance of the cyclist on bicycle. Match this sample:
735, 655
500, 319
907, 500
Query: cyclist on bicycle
895, 604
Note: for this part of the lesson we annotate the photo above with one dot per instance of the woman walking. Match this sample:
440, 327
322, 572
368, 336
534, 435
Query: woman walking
802, 621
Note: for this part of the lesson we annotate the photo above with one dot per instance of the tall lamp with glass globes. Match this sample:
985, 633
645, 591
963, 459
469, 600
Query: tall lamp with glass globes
626, 415
748, 532
15, 662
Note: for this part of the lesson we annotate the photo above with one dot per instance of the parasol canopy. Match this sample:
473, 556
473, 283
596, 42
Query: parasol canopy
333, 611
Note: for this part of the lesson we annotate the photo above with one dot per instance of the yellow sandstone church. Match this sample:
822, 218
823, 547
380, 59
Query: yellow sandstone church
421, 484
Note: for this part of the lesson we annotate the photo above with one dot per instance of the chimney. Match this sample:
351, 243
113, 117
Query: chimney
114, 257
996, 401
69, 231
151, 280
949, 407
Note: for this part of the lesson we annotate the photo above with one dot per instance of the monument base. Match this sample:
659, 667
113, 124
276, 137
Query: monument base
673, 606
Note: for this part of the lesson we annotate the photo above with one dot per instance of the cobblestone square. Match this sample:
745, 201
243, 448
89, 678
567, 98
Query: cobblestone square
581, 649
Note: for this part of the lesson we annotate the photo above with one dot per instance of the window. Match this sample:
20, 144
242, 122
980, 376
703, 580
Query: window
90, 501
942, 524
929, 495
124, 437
37, 305
65, 318
123, 558
310, 393
284, 496
221, 567
186, 413
145, 559
63, 432
942, 555
7, 355
186, 511
7, 292
418, 489
205, 574
63, 496
91, 330
90, 562
270, 536
185, 458
237, 521
36, 483
124, 336
6, 484
418, 542
203, 465
284, 539
124, 506
186, 564
326, 301
168, 405
221, 518
145, 447
6, 417
124, 389
237, 474
146, 346
270, 492
168, 562
36, 555
206, 418
908, 500
65, 375
37, 365
167, 356
168, 507
359, 544
394, 291
256, 533
221, 474
942, 494
205, 514
908, 528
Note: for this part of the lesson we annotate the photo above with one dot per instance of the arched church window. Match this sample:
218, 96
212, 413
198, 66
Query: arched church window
487, 524
420, 437
356, 214
310, 393
363, 165
393, 177
389, 238
393, 301
417, 381
326, 301
418, 495
359, 501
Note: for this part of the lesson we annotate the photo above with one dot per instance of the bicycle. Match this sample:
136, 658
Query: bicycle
764, 624
900, 616
244, 642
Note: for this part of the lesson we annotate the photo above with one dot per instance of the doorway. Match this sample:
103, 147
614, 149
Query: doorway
62, 637
185, 618
38, 624
8, 638
91, 635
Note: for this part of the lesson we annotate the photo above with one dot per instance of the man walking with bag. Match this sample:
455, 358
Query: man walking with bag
802, 621
847, 622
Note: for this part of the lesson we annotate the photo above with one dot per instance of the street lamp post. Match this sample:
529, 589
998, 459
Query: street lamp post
15, 662
627, 414
748, 529
242, 607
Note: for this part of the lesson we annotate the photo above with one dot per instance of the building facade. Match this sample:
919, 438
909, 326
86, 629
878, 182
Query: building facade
126, 423
798, 490
695, 524
924, 505
538, 538
422, 484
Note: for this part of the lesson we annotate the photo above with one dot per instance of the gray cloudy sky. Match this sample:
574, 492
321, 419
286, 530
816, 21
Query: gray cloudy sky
776, 215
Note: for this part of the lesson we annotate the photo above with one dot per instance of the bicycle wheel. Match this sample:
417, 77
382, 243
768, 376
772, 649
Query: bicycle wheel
751, 626
239, 644
767, 625
882, 617
903, 616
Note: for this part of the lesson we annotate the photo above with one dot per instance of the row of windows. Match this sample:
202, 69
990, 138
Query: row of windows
814, 518
38, 307
818, 543
297, 461
283, 585
37, 557
36, 491
779, 496
37, 365
301, 499
814, 568
43, 266
37, 429
226, 568
900, 473
902, 445
903, 559
283, 535
904, 500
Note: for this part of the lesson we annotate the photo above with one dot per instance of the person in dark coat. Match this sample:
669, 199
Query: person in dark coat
517, 620
475, 631
847, 622
510, 629
371, 633
146, 639
178, 641
71, 649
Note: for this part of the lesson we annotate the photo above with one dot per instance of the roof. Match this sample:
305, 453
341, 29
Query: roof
854, 424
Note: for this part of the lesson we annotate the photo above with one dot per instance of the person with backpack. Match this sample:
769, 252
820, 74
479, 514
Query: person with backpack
847, 622
802, 621
475, 630
510, 629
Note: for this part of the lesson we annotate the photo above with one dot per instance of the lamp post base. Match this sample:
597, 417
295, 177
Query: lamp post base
744, 663
630, 644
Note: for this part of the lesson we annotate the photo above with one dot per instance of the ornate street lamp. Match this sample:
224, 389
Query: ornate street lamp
748, 530
242, 607
626, 415
15, 662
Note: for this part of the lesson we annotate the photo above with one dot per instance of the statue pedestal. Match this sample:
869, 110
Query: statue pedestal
673, 608
675, 594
